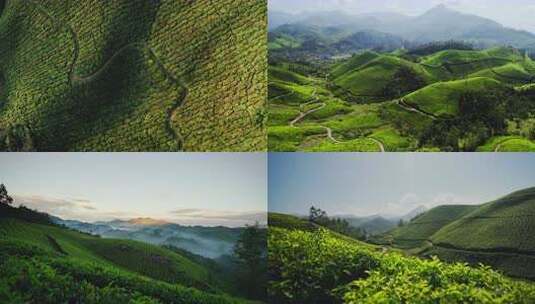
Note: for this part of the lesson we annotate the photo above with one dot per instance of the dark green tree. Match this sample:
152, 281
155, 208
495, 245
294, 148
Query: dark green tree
4, 196
316, 215
250, 252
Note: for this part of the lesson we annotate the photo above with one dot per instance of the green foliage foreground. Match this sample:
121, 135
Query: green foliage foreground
29, 274
319, 267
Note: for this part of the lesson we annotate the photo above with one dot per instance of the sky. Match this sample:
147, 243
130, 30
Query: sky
364, 184
186, 188
518, 15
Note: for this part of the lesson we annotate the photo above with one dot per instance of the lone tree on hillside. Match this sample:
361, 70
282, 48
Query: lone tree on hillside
251, 253
4, 197
316, 214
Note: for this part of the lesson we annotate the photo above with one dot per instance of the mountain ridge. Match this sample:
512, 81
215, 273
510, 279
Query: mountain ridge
439, 23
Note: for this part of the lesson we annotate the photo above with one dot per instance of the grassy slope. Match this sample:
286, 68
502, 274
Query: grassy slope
497, 233
354, 124
354, 63
505, 223
132, 269
147, 260
417, 231
370, 78
146, 80
292, 93
441, 98
507, 144
291, 222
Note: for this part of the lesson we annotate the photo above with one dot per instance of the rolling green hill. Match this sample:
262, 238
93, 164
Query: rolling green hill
288, 222
372, 78
133, 75
449, 100
441, 98
504, 223
419, 229
45, 262
497, 233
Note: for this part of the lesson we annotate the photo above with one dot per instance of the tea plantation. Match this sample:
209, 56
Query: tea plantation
450, 100
44, 263
320, 267
498, 233
157, 75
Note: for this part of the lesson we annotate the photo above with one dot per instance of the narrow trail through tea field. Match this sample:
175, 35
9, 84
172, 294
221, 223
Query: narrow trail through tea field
142, 46
329, 131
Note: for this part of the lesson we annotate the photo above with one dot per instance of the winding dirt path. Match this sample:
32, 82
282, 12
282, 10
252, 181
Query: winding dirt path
302, 115
328, 130
143, 46
402, 103
379, 143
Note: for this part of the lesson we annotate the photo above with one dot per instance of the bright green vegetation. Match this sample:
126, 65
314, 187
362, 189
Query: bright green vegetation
439, 98
289, 222
507, 144
450, 100
320, 267
45, 263
420, 228
126, 75
498, 233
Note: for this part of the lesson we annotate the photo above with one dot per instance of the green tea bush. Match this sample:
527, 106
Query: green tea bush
319, 267
158, 75
29, 275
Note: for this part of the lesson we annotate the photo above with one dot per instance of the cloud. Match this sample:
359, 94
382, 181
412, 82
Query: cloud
410, 201
83, 210
53, 204
451, 199
70, 208
208, 216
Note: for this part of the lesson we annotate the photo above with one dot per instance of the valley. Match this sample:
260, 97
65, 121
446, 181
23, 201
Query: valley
209, 242
336, 86
51, 262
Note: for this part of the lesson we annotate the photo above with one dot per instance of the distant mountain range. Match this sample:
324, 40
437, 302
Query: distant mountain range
390, 31
377, 224
210, 242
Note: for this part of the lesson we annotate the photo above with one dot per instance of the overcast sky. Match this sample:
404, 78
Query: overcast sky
186, 188
392, 184
517, 14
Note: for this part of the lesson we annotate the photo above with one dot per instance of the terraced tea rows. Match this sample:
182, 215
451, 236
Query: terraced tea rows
133, 76
497, 233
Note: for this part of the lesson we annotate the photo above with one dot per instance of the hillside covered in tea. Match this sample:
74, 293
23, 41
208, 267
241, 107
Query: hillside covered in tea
154, 75
362, 84
312, 264
497, 233
47, 263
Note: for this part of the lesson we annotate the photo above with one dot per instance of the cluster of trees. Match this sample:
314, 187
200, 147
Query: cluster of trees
320, 217
250, 253
5, 199
22, 212
405, 80
481, 116
437, 46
